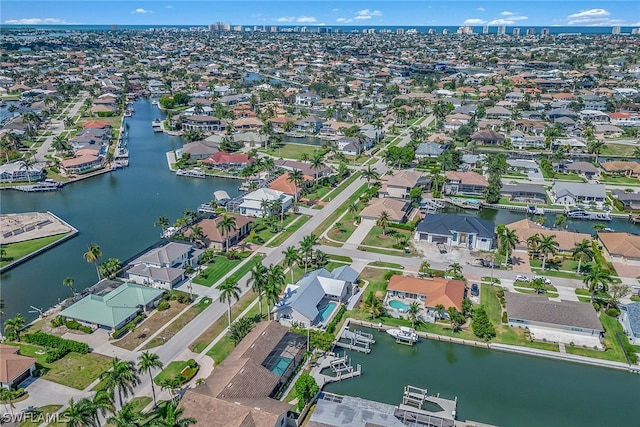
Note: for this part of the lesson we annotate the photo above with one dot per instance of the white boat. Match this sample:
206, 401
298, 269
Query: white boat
404, 334
194, 173
156, 125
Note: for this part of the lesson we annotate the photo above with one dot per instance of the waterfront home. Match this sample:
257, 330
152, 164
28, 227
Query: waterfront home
282, 183
400, 184
203, 123
526, 228
213, 236
487, 137
578, 193
15, 172
466, 183
524, 193
86, 159
586, 169
314, 298
457, 230
557, 321
306, 168
630, 319
429, 150
630, 201
306, 99
311, 124
254, 203
522, 165
628, 169
14, 367
199, 150
223, 160
625, 119
429, 292
354, 146
398, 210
243, 389
115, 309
621, 248
97, 124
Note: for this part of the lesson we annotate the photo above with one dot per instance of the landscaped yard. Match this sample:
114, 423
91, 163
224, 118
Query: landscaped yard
263, 232
344, 231
292, 151
40, 415
619, 180
392, 237
612, 149
179, 323
175, 370
613, 349
15, 251
284, 235
220, 266
336, 214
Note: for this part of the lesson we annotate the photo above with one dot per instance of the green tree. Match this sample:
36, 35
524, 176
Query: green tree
455, 269
127, 416
412, 313
13, 326
373, 306
258, 282
78, 413
68, 282
171, 416
291, 258
100, 405
229, 290
226, 225
306, 248
583, 251
93, 255
425, 268
538, 285
561, 221
597, 280
240, 328
148, 361
383, 221
370, 175
306, 389
163, 223
121, 378
481, 324
548, 245
508, 241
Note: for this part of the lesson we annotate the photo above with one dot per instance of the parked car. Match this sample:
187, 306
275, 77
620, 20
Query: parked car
545, 280
475, 291
522, 278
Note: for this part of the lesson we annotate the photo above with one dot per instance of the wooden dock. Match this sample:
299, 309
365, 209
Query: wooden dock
340, 366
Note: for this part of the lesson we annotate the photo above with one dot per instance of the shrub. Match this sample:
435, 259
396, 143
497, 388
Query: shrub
613, 312
505, 317
183, 299
85, 329
191, 363
387, 274
129, 326
164, 305
72, 324
331, 327
58, 321
54, 354
54, 342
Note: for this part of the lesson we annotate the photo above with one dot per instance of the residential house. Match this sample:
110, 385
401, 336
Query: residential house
352, 145
85, 159
487, 137
223, 160
628, 169
214, 238
595, 116
234, 99
586, 169
498, 113
163, 267
522, 165
457, 230
283, 184
199, 150
630, 201
15, 172
314, 298
625, 119
115, 309
430, 291
311, 124
630, 319
429, 150
400, 184
203, 123
253, 204
305, 167
525, 193
242, 390
306, 99
621, 248
578, 193
468, 183
565, 321
607, 130
397, 209
526, 228
14, 368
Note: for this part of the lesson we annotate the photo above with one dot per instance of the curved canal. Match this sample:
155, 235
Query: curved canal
495, 387
115, 210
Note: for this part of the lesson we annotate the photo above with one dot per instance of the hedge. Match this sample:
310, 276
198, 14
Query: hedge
120, 332
56, 347
331, 327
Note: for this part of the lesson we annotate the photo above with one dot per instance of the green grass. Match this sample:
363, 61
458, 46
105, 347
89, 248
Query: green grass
381, 251
267, 232
341, 258
171, 371
292, 151
221, 350
619, 180
386, 265
533, 292
529, 285
42, 412
284, 235
139, 403
612, 149
613, 350
488, 279
568, 177
336, 214
344, 184
15, 251
221, 266
345, 230
392, 237
298, 271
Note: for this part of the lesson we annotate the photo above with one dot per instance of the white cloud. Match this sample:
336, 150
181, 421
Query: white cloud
506, 13
306, 19
474, 21
141, 11
592, 17
344, 20
367, 14
508, 21
286, 19
36, 21
481, 9
362, 17
589, 13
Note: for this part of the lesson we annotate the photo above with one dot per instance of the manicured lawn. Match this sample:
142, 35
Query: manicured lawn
392, 237
386, 265
139, 403
612, 149
265, 232
336, 214
619, 180
171, 371
221, 266
533, 292
346, 229
341, 258
40, 415
221, 350
568, 177
15, 251
529, 285
613, 349
284, 235
179, 323
292, 151
219, 325
298, 271
393, 252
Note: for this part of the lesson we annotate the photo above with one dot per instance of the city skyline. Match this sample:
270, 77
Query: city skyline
323, 13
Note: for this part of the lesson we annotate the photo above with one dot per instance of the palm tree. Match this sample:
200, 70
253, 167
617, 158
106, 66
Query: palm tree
126, 417
226, 224
69, 122
455, 269
548, 245
163, 223
533, 243
172, 417
291, 257
68, 282
597, 280
78, 414
122, 377
583, 251
317, 162
373, 306
437, 181
297, 178
454, 318
93, 255
353, 209
229, 290
370, 175
258, 281
197, 234
12, 326
561, 221
383, 221
27, 165
100, 405
439, 309
508, 241
306, 248
412, 312
424, 268
146, 362
275, 283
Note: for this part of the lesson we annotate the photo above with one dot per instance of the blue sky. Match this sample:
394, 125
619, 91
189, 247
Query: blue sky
521, 13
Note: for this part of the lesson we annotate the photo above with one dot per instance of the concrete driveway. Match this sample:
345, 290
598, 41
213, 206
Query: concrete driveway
43, 392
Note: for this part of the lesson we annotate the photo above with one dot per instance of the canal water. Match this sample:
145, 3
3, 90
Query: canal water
495, 387
116, 210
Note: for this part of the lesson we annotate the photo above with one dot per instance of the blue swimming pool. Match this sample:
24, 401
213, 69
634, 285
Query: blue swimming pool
326, 311
281, 365
398, 305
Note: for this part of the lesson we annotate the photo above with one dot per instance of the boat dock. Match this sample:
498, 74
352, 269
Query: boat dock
414, 398
340, 367
355, 340
466, 203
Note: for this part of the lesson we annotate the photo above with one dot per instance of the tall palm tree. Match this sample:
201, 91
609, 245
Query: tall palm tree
297, 178
146, 362
172, 417
383, 221
229, 290
78, 413
533, 242
27, 165
196, 234
353, 209
455, 269
126, 417
122, 377
424, 268
12, 326
317, 162
508, 241
306, 248
291, 257
163, 223
68, 282
275, 283
93, 255
258, 281
412, 312
226, 224
561, 221
370, 175
548, 245
597, 280
100, 405
583, 251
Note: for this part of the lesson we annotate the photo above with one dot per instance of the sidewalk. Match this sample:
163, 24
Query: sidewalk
361, 231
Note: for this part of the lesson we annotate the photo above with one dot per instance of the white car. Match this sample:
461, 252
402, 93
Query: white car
522, 278
544, 279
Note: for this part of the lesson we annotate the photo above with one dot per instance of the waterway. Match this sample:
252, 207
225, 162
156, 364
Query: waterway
495, 387
116, 210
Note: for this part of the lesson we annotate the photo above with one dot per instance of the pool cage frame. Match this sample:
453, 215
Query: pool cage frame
292, 346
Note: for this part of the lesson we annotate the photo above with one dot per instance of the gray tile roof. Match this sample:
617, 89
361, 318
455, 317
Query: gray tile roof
447, 224
633, 313
579, 189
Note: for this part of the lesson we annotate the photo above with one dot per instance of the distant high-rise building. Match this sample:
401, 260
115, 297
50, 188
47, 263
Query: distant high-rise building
502, 30
274, 29
485, 29
635, 31
400, 31
237, 28
615, 29
544, 32
325, 30
465, 29
432, 31
516, 31
445, 31
531, 31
